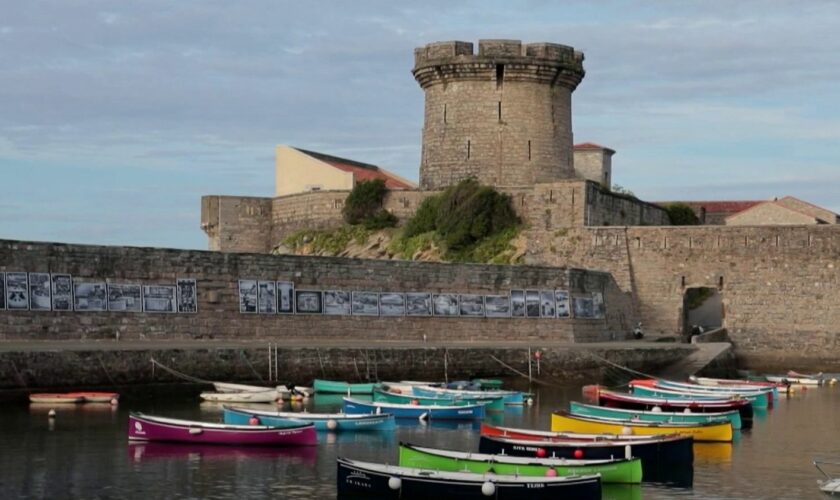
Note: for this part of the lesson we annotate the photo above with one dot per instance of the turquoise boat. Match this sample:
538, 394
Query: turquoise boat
335, 387
491, 404
509, 397
323, 421
724, 391
733, 416
463, 412
488, 383
758, 401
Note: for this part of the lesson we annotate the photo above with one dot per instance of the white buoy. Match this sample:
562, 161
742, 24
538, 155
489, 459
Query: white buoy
687, 410
114, 401
656, 409
394, 483
488, 489
332, 424
628, 452
423, 416
51, 413
530, 401
626, 431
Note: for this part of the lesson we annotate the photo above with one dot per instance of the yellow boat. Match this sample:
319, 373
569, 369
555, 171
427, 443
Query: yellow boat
707, 431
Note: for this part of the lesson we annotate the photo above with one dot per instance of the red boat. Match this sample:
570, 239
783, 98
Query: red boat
633, 402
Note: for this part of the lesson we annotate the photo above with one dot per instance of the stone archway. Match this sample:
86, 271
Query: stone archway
702, 310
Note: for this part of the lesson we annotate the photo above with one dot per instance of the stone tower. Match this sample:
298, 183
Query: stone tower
503, 116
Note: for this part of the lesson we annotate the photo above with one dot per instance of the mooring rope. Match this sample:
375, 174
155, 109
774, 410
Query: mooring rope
243, 356
525, 375
620, 367
179, 374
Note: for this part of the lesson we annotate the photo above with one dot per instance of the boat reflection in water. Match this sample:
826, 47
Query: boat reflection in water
713, 452
621, 491
140, 452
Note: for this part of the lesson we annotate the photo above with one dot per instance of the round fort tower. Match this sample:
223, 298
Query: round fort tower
503, 116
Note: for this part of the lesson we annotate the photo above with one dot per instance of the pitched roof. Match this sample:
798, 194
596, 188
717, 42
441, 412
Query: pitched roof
591, 146
361, 171
716, 207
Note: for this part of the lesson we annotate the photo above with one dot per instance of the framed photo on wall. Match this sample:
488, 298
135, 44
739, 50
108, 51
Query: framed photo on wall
445, 304
418, 304
308, 302
2, 291
583, 307
365, 303
547, 304
497, 306
471, 305
391, 304
267, 297
62, 292
40, 296
17, 292
599, 309
248, 296
285, 297
517, 303
159, 299
90, 296
125, 297
187, 295
532, 303
561, 300
337, 302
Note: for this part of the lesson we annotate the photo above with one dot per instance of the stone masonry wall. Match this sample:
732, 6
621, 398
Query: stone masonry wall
218, 309
237, 223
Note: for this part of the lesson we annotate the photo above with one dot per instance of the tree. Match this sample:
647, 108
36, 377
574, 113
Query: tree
681, 215
364, 206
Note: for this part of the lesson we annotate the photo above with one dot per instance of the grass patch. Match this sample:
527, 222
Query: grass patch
331, 242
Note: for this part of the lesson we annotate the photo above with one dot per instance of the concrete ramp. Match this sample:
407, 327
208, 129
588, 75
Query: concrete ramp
696, 361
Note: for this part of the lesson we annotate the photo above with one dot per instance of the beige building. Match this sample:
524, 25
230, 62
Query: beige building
594, 162
782, 212
298, 171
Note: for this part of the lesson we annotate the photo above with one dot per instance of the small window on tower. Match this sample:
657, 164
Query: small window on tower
500, 76
469, 147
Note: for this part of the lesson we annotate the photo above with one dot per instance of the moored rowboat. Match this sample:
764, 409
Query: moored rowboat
760, 401
732, 416
372, 480
465, 412
335, 387
322, 421
267, 396
56, 398
509, 397
149, 428
634, 401
491, 403
710, 432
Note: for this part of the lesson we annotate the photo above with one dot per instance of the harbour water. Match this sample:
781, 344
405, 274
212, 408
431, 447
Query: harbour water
84, 452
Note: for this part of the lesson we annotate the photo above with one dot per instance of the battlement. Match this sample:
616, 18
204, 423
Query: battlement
546, 62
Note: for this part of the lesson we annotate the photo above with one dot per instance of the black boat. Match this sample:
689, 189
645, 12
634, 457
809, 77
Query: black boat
372, 480
665, 459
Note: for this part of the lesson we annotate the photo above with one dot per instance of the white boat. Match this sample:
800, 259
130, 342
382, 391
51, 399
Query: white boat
228, 387
285, 393
784, 379
265, 396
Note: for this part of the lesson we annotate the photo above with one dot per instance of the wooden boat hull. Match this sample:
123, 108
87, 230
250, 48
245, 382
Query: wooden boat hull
732, 416
96, 396
366, 480
148, 428
336, 422
465, 412
57, 398
717, 432
758, 401
335, 387
268, 396
621, 471
634, 402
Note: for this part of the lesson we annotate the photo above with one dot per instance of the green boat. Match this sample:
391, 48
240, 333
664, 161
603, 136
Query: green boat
488, 383
333, 387
622, 470
734, 417
490, 403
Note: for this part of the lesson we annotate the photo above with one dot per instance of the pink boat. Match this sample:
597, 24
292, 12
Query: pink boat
148, 428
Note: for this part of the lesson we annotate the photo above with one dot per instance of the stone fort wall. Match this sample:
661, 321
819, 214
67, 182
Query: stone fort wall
780, 285
218, 315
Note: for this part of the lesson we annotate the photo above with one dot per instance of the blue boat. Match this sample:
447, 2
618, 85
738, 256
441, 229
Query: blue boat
322, 421
509, 397
464, 412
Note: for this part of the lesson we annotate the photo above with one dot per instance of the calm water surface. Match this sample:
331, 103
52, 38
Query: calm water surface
85, 454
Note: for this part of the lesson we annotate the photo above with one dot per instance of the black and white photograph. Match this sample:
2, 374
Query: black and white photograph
472, 305
517, 303
267, 295
17, 292
547, 309
532, 303
2, 291
599, 310
418, 304
62, 292
561, 299
285, 297
366, 303
497, 306
39, 292
308, 302
159, 299
187, 295
337, 302
391, 304
248, 294
583, 306
445, 304
90, 295
125, 297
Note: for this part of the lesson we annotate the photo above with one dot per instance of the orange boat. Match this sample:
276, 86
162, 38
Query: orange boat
96, 397
74, 397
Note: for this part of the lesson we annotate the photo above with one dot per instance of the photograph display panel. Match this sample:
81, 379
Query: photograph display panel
391, 304
2, 291
125, 297
472, 305
547, 304
90, 296
267, 297
517, 303
532, 303
561, 299
308, 302
418, 304
17, 292
497, 306
40, 297
599, 309
62, 292
583, 306
187, 295
248, 296
366, 303
337, 302
445, 304
285, 297
159, 298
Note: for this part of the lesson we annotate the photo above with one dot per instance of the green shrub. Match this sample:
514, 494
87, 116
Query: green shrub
364, 206
424, 219
681, 214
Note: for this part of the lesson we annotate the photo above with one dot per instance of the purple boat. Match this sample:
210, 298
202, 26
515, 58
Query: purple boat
148, 428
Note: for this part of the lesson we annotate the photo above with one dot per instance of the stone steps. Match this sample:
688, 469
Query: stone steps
696, 361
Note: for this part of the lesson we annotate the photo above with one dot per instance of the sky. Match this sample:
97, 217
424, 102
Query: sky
116, 117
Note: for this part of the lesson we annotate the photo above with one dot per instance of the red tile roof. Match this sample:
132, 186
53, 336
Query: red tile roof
591, 146
361, 171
